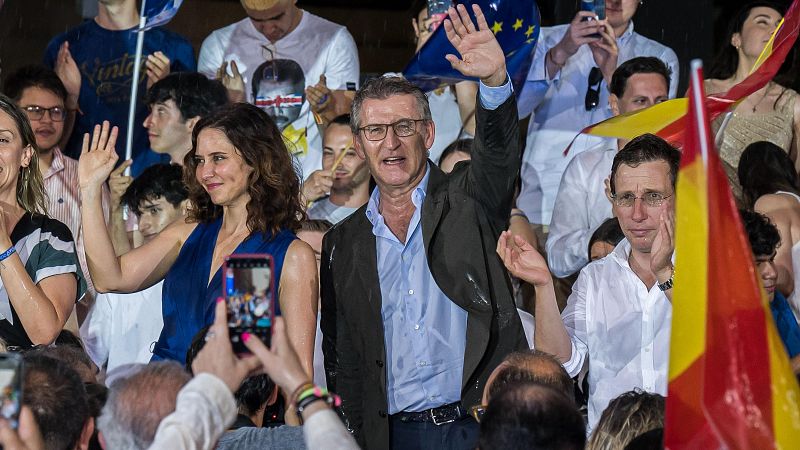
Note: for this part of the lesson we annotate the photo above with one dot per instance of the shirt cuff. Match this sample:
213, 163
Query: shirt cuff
492, 97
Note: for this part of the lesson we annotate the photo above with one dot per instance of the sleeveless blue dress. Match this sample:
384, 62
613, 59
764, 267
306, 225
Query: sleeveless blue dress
188, 302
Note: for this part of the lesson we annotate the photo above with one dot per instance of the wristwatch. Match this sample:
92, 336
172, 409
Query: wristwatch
667, 285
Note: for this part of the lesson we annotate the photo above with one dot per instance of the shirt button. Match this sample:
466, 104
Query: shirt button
382, 413
647, 350
416, 327
410, 292
379, 363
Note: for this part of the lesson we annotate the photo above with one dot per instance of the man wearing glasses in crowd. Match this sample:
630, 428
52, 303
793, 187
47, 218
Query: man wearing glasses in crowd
619, 313
416, 311
567, 89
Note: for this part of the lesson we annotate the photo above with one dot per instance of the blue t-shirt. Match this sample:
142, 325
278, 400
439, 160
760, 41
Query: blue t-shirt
105, 59
787, 326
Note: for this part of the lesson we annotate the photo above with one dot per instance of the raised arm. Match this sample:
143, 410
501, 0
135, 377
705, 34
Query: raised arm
139, 268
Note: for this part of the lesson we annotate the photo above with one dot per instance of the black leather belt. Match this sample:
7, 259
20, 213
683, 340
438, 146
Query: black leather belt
439, 416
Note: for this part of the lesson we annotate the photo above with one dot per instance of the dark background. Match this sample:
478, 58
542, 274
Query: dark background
381, 28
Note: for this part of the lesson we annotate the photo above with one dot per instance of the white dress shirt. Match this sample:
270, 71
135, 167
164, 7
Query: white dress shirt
620, 327
559, 113
581, 206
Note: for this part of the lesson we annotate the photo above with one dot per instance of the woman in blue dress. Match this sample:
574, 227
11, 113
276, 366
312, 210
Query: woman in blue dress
244, 198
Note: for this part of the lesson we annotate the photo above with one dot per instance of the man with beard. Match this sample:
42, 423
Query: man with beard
348, 183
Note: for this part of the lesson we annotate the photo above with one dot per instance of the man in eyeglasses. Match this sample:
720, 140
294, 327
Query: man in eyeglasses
581, 203
416, 310
618, 316
567, 89
42, 95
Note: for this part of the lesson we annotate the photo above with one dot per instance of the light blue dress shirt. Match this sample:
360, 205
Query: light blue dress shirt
424, 331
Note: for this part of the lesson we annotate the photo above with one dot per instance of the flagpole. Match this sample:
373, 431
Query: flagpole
697, 90
137, 69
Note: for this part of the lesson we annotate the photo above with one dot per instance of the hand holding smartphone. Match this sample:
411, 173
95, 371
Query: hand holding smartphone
10, 387
598, 7
249, 291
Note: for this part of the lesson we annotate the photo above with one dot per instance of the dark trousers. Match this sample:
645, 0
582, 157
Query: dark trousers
459, 435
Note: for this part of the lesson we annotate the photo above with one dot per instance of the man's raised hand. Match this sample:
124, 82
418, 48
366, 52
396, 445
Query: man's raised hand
481, 55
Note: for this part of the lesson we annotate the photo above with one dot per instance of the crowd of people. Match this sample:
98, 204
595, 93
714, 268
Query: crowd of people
444, 277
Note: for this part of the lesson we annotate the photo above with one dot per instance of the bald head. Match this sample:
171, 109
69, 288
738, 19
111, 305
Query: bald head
532, 365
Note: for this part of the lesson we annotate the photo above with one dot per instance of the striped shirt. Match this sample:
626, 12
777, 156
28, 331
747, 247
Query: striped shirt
63, 202
46, 248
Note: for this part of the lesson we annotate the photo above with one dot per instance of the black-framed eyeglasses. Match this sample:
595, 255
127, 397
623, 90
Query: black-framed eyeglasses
651, 199
401, 128
593, 91
36, 112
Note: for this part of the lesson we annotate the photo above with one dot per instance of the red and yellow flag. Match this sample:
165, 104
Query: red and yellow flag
730, 382
668, 119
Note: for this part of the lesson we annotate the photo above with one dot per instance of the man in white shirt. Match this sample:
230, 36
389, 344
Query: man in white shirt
581, 204
278, 39
563, 100
349, 182
619, 314
121, 328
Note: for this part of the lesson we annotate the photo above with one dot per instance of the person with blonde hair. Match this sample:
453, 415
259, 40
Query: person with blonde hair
627, 417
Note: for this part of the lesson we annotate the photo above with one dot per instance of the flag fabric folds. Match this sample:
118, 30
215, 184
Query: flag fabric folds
730, 382
515, 24
668, 119
159, 12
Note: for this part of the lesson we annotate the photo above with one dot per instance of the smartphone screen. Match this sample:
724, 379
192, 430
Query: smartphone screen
437, 11
10, 386
250, 297
598, 7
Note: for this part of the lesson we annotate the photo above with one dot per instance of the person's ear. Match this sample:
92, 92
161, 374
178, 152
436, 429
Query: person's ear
190, 123
184, 207
736, 40
272, 397
86, 435
430, 134
358, 147
607, 182
27, 154
613, 103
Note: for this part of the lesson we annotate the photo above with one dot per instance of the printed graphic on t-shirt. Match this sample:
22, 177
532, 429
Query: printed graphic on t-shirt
111, 80
278, 88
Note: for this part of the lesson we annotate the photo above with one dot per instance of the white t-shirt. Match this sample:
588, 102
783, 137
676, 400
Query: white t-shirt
121, 328
325, 210
447, 119
317, 46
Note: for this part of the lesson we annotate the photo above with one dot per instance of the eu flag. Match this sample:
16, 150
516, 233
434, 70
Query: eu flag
159, 12
515, 24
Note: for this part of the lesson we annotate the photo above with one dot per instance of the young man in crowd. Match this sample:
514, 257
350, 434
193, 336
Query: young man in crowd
581, 203
619, 313
121, 328
348, 184
94, 59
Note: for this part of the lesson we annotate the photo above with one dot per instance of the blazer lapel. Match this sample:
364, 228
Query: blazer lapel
433, 206
365, 275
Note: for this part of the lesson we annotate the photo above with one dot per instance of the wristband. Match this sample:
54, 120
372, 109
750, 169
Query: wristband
519, 214
299, 391
312, 395
7, 253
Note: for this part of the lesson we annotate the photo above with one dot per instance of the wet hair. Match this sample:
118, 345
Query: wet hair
273, 184
253, 393
74, 357
641, 64
57, 397
643, 149
30, 187
459, 145
727, 60
626, 417
316, 225
160, 180
764, 168
381, 88
761, 232
193, 93
31, 76
532, 416
608, 231
532, 365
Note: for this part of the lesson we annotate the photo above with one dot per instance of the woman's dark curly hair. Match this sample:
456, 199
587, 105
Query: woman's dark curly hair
273, 184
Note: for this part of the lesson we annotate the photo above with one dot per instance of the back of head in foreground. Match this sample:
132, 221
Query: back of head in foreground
56, 396
137, 404
529, 366
628, 416
532, 416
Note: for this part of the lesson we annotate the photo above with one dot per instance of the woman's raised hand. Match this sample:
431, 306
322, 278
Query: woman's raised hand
98, 156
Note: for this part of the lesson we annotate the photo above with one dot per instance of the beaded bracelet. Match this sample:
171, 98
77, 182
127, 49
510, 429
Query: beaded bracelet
7, 253
309, 396
300, 390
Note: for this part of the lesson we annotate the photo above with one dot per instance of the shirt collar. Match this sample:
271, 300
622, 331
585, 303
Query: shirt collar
417, 197
627, 34
621, 253
57, 165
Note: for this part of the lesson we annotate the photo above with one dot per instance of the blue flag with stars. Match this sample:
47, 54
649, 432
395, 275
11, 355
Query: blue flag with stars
515, 24
159, 12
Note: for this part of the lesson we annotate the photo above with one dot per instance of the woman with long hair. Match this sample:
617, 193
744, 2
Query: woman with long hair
244, 198
771, 187
40, 279
770, 114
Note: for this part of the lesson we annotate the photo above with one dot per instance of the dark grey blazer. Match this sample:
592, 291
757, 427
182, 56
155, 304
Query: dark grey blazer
462, 217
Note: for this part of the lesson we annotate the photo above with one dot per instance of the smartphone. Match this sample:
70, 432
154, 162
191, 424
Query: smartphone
598, 7
11, 386
249, 291
437, 11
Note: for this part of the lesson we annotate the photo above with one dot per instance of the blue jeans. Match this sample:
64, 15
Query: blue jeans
459, 435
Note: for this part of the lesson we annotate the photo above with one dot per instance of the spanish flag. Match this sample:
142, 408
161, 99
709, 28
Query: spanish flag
730, 382
668, 119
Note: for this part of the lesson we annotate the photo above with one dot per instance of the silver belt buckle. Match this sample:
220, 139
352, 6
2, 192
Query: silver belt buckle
438, 422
